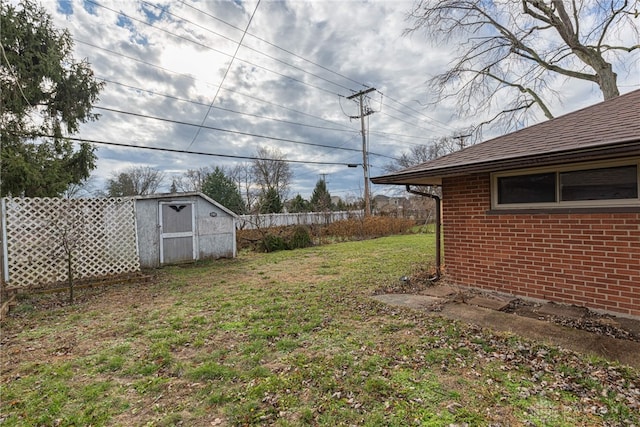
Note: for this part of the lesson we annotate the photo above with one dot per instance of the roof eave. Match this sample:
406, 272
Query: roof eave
434, 176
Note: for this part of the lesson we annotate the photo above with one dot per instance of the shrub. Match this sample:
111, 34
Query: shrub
301, 238
272, 243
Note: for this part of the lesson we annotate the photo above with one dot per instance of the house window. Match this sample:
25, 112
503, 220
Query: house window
534, 188
585, 185
600, 184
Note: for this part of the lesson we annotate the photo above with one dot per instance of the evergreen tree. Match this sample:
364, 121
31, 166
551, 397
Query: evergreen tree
298, 204
46, 95
270, 202
320, 199
224, 190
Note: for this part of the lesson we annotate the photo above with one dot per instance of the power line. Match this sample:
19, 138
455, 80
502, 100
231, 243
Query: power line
225, 75
251, 48
213, 49
276, 46
249, 96
194, 79
238, 112
172, 150
146, 116
416, 111
258, 116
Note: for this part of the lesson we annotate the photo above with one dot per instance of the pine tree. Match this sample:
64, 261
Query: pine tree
224, 190
320, 199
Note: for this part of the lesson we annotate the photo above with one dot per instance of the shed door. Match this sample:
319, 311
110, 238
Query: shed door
177, 240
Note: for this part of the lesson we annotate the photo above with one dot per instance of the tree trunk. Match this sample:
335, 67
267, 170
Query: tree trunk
70, 276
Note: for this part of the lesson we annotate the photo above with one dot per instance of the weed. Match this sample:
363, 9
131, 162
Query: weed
210, 371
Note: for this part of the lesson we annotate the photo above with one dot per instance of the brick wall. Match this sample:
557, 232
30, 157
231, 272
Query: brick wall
589, 259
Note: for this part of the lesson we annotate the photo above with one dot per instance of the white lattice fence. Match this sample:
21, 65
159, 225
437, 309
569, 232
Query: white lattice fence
99, 233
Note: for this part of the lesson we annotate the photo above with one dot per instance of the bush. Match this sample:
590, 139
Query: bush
301, 238
370, 227
272, 243
295, 237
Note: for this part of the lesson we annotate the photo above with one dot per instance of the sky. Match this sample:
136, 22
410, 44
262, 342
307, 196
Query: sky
228, 77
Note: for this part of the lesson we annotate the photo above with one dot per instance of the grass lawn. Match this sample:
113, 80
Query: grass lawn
290, 338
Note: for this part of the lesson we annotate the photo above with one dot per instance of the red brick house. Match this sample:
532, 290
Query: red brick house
550, 212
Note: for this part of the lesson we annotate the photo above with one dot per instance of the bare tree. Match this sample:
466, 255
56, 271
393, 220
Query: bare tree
85, 189
134, 181
192, 179
242, 176
418, 154
271, 172
68, 227
512, 50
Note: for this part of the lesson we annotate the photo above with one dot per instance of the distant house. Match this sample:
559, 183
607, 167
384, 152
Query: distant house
183, 227
417, 208
550, 212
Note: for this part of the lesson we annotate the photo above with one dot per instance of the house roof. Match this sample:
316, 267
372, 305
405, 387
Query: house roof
610, 129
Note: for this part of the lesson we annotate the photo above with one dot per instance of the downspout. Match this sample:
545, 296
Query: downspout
438, 234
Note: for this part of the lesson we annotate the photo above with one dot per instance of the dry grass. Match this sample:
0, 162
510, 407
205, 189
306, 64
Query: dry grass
287, 338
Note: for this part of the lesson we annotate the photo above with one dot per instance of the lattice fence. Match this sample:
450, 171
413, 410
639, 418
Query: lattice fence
100, 234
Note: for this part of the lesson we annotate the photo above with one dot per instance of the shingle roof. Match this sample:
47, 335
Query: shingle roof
604, 130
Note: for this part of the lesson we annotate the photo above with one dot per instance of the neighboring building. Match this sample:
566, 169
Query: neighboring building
183, 227
417, 208
550, 212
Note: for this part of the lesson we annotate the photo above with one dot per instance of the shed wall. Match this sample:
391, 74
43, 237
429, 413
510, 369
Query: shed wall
589, 259
148, 233
214, 235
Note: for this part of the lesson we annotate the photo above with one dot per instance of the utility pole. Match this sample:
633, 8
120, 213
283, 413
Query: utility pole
365, 155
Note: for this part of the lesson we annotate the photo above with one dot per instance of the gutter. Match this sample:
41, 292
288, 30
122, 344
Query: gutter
438, 274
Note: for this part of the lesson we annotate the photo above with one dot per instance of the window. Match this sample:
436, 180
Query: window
534, 188
600, 184
594, 184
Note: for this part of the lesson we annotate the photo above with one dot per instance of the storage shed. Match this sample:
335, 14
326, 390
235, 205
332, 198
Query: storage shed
183, 227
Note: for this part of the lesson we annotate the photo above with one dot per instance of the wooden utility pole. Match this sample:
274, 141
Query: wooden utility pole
365, 154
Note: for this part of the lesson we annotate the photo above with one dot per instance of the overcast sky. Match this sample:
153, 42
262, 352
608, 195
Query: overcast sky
169, 66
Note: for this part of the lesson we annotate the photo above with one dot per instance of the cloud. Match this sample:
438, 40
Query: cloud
298, 62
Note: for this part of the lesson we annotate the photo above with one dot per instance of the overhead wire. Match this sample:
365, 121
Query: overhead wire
265, 41
245, 32
258, 116
224, 76
214, 49
254, 135
195, 79
173, 150
419, 112
274, 45
252, 48
154, 65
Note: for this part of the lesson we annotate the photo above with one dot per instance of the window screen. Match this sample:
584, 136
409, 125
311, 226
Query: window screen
600, 184
535, 188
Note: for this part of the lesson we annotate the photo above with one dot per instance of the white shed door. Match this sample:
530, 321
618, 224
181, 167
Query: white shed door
177, 240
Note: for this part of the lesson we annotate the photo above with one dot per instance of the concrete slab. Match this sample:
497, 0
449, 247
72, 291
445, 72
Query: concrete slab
408, 300
623, 351
440, 291
562, 310
492, 303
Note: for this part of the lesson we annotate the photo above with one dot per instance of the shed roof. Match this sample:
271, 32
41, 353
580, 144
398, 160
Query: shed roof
175, 196
606, 130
